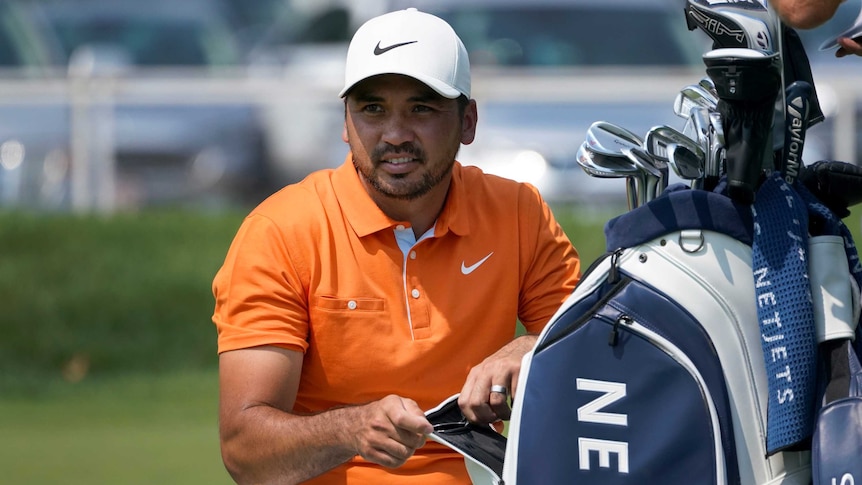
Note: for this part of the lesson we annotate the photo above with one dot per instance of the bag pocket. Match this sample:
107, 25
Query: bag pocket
630, 390
834, 297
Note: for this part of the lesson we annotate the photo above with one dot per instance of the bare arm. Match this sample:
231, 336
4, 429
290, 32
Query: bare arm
476, 400
263, 442
805, 14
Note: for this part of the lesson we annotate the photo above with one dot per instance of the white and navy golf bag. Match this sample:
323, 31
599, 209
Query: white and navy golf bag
654, 371
670, 364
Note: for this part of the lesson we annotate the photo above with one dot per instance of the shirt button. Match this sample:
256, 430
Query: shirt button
412, 254
415, 293
351, 304
400, 227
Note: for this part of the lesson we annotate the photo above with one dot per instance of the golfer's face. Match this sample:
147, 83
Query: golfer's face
403, 135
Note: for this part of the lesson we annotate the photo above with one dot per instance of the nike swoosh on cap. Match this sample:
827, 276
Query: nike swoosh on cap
469, 269
380, 50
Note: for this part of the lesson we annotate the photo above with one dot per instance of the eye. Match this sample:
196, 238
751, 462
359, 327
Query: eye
372, 108
422, 108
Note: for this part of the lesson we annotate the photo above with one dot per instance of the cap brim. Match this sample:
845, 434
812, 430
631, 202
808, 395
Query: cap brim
440, 87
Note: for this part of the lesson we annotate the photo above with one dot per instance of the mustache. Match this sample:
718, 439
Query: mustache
400, 150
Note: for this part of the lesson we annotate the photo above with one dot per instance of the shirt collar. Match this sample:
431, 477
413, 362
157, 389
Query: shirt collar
366, 218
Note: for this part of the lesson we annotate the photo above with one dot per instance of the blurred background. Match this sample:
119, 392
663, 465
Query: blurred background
135, 135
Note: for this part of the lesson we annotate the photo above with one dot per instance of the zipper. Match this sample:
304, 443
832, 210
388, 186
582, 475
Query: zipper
613, 272
614, 337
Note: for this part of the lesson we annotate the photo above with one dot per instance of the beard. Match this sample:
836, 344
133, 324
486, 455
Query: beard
402, 186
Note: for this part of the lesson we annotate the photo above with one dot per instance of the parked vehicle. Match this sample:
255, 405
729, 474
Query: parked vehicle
564, 64
563, 61
304, 49
33, 141
165, 149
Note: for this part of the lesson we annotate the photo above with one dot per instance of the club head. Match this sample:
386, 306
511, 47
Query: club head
692, 96
605, 165
745, 23
659, 137
707, 84
684, 162
716, 139
700, 126
609, 138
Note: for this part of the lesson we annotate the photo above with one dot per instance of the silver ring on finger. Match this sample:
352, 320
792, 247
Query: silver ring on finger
500, 389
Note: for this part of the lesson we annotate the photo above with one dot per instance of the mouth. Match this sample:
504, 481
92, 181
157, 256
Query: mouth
399, 166
399, 160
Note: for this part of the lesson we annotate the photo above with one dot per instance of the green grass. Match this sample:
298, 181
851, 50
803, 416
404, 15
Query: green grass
129, 293
123, 304
136, 429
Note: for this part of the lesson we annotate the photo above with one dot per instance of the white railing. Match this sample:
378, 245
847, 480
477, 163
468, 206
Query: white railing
90, 98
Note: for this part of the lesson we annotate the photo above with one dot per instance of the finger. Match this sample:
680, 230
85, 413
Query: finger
390, 454
412, 419
499, 404
396, 433
474, 399
849, 46
481, 405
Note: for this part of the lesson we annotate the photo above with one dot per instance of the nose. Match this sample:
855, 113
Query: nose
397, 130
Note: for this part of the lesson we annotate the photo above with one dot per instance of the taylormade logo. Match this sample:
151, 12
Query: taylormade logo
793, 156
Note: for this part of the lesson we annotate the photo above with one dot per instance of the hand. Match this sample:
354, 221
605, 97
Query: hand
390, 431
849, 46
477, 402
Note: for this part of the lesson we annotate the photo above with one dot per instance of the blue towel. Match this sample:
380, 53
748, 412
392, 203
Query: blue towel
785, 312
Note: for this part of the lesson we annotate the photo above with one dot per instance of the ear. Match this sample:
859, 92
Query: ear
344, 132
468, 123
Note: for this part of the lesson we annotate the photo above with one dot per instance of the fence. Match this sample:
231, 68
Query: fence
81, 119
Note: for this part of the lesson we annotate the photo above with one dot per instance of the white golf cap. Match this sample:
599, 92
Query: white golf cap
411, 43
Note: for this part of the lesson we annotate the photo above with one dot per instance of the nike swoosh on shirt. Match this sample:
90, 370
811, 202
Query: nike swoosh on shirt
469, 269
380, 50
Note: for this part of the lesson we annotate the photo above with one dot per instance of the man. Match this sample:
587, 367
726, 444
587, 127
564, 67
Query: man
353, 301
808, 14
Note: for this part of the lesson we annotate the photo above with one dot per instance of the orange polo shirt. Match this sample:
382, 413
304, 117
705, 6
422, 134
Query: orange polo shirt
316, 268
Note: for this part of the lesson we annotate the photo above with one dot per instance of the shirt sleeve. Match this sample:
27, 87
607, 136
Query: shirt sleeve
259, 299
552, 264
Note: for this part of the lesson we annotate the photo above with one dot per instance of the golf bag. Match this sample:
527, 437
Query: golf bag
655, 371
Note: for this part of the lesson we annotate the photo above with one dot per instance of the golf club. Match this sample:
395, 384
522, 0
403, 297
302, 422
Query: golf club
605, 165
741, 24
685, 163
659, 137
652, 174
796, 124
700, 123
691, 96
609, 138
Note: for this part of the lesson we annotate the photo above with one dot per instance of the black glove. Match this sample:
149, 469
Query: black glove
837, 184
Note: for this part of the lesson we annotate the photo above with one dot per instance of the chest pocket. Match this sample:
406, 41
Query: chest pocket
335, 304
